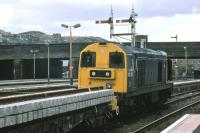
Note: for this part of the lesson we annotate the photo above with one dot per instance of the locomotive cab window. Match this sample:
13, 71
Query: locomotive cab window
88, 59
116, 60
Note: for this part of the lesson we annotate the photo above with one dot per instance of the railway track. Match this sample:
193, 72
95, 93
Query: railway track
155, 119
32, 92
33, 88
158, 118
24, 94
182, 97
38, 95
184, 102
30, 81
157, 122
35, 92
183, 93
12, 92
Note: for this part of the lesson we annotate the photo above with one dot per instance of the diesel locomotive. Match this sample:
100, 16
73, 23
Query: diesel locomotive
138, 76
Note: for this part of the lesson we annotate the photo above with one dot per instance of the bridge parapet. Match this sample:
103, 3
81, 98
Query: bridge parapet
176, 49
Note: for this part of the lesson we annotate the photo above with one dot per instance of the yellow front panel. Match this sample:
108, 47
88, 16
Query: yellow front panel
119, 75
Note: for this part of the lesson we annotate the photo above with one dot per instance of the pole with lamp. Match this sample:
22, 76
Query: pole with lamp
70, 50
48, 61
186, 62
34, 51
176, 65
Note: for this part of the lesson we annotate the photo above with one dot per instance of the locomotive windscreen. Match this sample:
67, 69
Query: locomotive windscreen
116, 60
88, 59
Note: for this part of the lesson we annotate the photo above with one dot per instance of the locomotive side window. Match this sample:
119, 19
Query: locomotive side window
88, 59
116, 60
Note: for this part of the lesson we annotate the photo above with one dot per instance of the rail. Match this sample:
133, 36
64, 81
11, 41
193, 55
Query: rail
39, 95
30, 81
158, 121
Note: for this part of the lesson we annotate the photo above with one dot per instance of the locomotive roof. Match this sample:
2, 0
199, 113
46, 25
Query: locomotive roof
142, 51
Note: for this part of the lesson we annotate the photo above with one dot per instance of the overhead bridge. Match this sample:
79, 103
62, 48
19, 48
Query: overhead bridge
16, 60
61, 50
177, 50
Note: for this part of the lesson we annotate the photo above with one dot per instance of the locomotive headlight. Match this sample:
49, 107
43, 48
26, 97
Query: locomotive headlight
107, 74
93, 73
109, 85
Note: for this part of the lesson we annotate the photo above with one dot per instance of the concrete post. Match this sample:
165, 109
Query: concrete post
17, 69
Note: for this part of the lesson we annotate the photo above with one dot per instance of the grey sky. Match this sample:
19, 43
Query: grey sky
90, 10
152, 8
47, 15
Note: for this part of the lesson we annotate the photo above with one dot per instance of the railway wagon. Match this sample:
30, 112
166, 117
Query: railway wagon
138, 76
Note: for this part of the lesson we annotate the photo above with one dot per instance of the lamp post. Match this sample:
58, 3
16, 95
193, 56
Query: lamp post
176, 66
186, 62
34, 51
48, 61
70, 50
176, 72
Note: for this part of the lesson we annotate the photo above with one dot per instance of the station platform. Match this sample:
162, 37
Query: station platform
185, 82
22, 112
32, 81
189, 123
187, 85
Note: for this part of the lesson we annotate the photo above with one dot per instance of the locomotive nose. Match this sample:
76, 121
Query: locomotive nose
105, 77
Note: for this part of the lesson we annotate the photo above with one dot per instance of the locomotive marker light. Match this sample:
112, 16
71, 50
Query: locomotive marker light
186, 62
93, 73
107, 74
34, 51
70, 50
